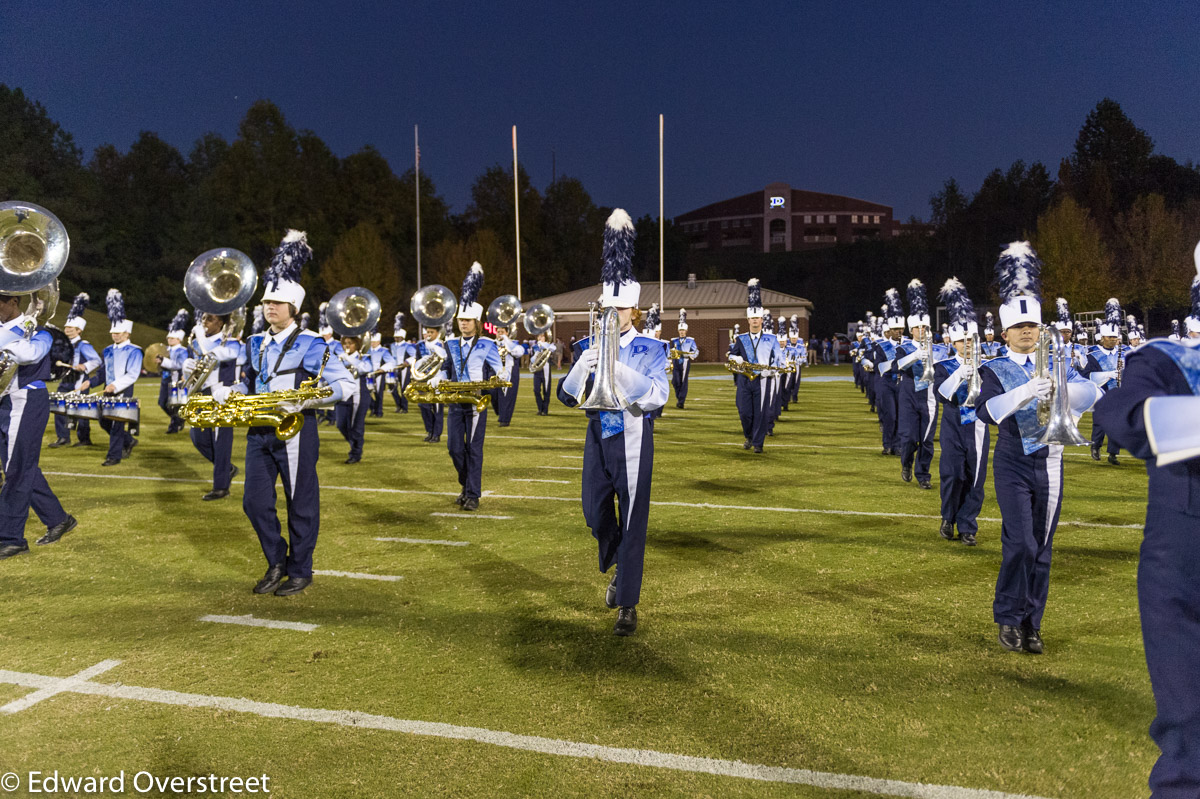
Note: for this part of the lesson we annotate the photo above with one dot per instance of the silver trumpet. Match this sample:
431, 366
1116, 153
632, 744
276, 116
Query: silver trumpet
927, 374
974, 364
604, 396
1055, 413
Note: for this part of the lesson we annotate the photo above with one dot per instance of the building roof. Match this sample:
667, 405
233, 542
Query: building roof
802, 201
710, 294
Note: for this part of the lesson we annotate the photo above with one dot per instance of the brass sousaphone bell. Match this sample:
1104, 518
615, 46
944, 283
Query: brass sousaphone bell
353, 311
219, 282
432, 306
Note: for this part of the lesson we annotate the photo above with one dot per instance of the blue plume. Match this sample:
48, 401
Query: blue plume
1019, 272
79, 305
892, 308
618, 249
954, 295
989, 325
260, 322
180, 321
471, 285
1174, 327
652, 317
305, 318
682, 316
1196, 297
753, 294
115, 304
918, 302
293, 253
1064, 311
1112, 312
321, 320
399, 323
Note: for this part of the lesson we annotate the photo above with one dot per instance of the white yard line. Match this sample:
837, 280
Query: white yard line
387, 578
424, 541
249, 621
564, 468
648, 758
538, 480
471, 516
47, 691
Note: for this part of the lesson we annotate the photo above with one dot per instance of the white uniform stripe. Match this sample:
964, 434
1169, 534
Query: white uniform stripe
980, 449
293, 459
14, 419
1054, 480
931, 403
633, 462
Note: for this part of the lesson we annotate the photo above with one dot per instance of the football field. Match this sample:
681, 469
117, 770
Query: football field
803, 631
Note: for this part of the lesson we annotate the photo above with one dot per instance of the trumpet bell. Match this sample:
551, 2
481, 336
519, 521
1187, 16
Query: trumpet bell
220, 281
33, 247
433, 306
504, 310
538, 319
353, 311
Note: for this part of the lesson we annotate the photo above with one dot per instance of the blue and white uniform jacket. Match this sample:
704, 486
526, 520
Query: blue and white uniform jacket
31, 354
512, 358
282, 361
230, 355
85, 355
471, 360
762, 348
122, 365
686, 344
640, 376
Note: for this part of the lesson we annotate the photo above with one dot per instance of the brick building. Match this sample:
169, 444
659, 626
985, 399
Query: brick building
713, 306
782, 219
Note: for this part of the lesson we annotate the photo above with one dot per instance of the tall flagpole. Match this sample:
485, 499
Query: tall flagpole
417, 173
517, 210
661, 224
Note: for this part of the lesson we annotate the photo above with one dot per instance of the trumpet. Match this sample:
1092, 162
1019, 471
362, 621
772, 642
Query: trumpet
974, 364
927, 374
465, 392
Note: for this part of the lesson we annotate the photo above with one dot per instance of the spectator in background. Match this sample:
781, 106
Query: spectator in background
825, 350
836, 343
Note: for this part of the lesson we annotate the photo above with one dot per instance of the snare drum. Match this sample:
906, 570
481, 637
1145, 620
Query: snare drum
177, 397
120, 409
84, 407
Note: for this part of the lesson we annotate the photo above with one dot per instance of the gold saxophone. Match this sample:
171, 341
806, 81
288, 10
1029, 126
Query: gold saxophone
745, 368
456, 392
254, 410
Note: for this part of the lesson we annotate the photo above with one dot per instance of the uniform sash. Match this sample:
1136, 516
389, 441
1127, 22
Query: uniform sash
1185, 355
1013, 377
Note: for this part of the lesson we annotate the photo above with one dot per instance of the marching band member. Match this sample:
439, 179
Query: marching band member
1153, 415
1101, 369
279, 358
471, 357
432, 413
618, 454
768, 378
1028, 475
375, 359
1137, 336
1175, 331
216, 443
122, 367
325, 415
24, 411
401, 351
887, 382
171, 367
84, 361
541, 378
964, 438
916, 402
506, 398
991, 347
351, 411
755, 346
653, 329
681, 367
801, 354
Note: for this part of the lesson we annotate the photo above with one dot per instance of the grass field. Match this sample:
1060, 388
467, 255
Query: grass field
788, 619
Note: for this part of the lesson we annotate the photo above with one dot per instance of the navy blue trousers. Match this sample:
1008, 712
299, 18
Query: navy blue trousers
541, 389
1098, 438
616, 500
962, 471
216, 445
376, 397
433, 416
679, 379
886, 405
397, 389
750, 398
465, 429
1168, 596
505, 399
917, 418
351, 419
23, 417
869, 380
295, 463
63, 425
1029, 492
119, 438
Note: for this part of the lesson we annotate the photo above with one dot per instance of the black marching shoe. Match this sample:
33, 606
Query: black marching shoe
968, 539
1095, 452
758, 449
353, 459
1011, 638
1033, 640
1113, 460
610, 593
925, 483
906, 474
216, 493
270, 580
626, 621
293, 585
746, 444
946, 531
58, 531
110, 462
461, 498
13, 549
886, 451
87, 443
233, 472
428, 437
472, 503
60, 442
125, 453
436, 439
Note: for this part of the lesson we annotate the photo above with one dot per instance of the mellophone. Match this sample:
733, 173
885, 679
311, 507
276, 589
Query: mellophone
78, 405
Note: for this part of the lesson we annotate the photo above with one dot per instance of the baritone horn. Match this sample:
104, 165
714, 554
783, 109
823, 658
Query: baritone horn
1055, 413
605, 396
219, 282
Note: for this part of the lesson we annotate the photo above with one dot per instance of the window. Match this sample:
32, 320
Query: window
808, 219
877, 219
832, 218
854, 219
820, 219
724, 224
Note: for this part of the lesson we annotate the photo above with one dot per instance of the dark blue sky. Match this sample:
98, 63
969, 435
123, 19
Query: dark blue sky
873, 100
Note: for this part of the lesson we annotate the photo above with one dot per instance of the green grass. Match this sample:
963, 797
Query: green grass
853, 644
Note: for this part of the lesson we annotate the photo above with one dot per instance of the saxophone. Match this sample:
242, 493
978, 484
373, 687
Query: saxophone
466, 392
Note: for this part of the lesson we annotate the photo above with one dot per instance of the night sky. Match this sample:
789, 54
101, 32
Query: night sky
872, 100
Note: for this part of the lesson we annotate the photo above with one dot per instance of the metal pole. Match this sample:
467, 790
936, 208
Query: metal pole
661, 221
417, 174
517, 209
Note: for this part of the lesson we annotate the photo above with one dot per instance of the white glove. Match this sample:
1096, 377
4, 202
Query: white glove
221, 393
189, 365
576, 379
736, 359
1037, 388
198, 330
632, 384
435, 380
298, 407
437, 349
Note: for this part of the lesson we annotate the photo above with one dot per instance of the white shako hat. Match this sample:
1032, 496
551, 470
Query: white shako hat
893, 311
1019, 275
961, 309
178, 327
683, 319
75, 315
1111, 326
